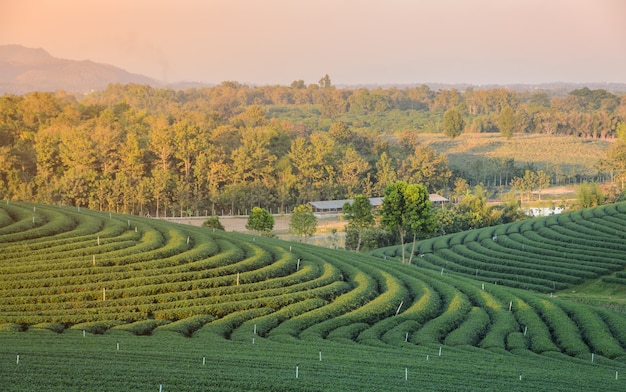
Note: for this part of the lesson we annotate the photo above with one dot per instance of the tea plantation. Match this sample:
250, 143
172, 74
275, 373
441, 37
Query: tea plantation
92, 301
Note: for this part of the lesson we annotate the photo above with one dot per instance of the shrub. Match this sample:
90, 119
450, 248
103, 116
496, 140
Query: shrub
213, 222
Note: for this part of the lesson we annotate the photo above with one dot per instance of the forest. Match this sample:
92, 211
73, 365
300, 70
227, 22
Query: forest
228, 148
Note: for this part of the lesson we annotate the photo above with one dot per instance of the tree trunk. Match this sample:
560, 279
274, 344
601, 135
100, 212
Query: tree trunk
413, 247
402, 244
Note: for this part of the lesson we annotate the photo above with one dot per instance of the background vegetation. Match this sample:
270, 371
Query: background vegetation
229, 148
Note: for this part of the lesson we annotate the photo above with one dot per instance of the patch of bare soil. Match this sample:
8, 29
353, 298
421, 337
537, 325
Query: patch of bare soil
558, 190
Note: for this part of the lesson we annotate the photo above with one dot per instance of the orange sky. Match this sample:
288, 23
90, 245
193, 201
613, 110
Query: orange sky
364, 41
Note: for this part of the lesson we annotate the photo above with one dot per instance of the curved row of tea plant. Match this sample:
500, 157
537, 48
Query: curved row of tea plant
541, 254
96, 272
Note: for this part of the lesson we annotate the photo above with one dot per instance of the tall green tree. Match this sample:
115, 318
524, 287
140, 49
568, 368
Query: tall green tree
407, 210
360, 217
453, 123
325, 82
506, 122
260, 220
303, 222
426, 167
385, 173
351, 172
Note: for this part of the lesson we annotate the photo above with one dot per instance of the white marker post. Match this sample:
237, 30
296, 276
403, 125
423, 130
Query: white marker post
592, 355
118, 347
98, 240
84, 333
439, 350
400, 306
255, 329
510, 305
525, 330
320, 355
298, 266
237, 278
297, 368
406, 373
104, 294
203, 361
160, 387
406, 337
94, 260
17, 362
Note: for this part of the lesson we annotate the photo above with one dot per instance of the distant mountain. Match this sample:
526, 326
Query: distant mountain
24, 69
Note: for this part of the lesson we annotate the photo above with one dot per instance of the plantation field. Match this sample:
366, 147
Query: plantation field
97, 301
70, 362
572, 154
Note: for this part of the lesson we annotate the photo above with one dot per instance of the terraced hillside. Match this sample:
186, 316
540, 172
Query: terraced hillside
543, 254
67, 269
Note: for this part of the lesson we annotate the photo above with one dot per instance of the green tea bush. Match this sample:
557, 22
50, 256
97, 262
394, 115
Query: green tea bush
594, 330
186, 326
97, 327
142, 327
472, 330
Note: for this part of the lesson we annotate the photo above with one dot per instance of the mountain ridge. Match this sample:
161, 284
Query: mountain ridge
24, 70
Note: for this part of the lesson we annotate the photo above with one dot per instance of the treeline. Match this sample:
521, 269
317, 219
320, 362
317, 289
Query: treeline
226, 149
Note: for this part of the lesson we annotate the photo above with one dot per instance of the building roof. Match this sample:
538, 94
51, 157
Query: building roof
435, 198
336, 205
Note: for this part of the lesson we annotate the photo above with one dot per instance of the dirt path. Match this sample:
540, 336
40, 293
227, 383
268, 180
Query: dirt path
325, 225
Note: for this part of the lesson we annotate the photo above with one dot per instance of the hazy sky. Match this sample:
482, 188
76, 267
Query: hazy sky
366, 41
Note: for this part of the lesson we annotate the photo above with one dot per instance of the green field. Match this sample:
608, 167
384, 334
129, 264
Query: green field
101, 302
564, 154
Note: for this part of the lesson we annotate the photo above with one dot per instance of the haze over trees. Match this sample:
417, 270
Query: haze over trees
229, 148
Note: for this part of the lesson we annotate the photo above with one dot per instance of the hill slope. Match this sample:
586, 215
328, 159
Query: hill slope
24, 70
69, 270
72, 267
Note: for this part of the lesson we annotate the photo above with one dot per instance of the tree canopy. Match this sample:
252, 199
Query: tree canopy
407, 210
302, 221
260, 220
360, 217
225, 149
